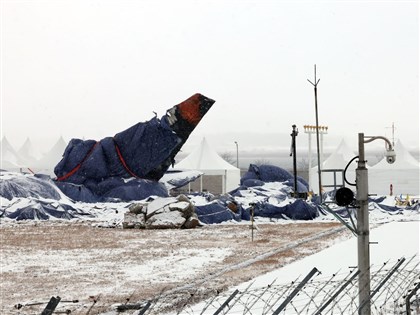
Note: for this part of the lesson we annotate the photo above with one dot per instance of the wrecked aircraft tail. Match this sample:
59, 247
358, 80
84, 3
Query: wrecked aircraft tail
185, 117
143, 151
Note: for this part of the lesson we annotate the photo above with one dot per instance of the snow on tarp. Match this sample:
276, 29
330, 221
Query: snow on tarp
35, 209
34, 197
178, 178
271, 173
144, 151
24, 186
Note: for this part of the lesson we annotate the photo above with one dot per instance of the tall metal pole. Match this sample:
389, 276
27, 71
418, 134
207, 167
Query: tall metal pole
315, 84
362, 194
363, 254
294, 135
237, 155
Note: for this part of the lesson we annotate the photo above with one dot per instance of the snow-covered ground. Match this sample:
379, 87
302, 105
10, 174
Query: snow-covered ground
121, 261
114, 263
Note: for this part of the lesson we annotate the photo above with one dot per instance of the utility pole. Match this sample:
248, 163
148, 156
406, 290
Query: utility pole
363, 253
315, 85
362, 194
294, 134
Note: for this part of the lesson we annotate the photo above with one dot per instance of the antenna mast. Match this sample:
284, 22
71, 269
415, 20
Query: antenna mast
315, 85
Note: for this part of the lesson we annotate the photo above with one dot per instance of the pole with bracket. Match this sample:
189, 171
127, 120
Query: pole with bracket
362, 194
363, 254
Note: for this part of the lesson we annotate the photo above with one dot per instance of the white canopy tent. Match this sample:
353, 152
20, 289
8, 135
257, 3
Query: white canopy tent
47, 163
403, 174
29, 153
206, 160
10, 159
337, 160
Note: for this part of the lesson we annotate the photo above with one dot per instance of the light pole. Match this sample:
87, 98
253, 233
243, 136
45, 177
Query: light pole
310, 129
237, 155
363, 253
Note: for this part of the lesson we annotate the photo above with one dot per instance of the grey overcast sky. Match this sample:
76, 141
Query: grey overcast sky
93, 68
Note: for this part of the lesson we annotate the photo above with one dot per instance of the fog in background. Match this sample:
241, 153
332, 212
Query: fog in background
89, 69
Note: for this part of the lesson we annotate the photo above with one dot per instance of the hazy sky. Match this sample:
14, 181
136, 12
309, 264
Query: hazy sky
94, 68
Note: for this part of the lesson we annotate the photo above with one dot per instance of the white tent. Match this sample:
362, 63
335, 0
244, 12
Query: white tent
52, 157
337, 160
206, 160
10, 159
29, 154
403, 174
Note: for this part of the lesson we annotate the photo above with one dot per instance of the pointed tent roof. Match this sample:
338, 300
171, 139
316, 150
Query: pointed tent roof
28, 152
337, 160
51, 159
340, 157
204, 158
9, 156
403, 174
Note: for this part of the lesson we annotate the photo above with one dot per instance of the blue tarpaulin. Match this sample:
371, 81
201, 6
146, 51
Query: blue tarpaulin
271, 173
214, 213
218, 211
21, 186
298, 210
43, 210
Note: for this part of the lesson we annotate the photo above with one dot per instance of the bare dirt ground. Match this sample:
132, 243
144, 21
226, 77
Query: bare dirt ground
102, 267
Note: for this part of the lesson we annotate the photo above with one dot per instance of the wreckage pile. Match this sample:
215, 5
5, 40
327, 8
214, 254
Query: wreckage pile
130, 170
162, 213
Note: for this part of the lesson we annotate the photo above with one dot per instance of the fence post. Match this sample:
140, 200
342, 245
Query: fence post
145, 308
376, 290
295, 291
52, 304
225, 303
337, 293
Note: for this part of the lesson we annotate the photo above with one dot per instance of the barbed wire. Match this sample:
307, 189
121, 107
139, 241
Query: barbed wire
389, 286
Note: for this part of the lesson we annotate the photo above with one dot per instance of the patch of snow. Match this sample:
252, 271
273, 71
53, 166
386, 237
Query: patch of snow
179, 265
159, 203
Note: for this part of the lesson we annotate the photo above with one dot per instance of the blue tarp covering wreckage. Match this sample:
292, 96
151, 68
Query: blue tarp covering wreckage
37, 197
270, 173
223, 209
129, 165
